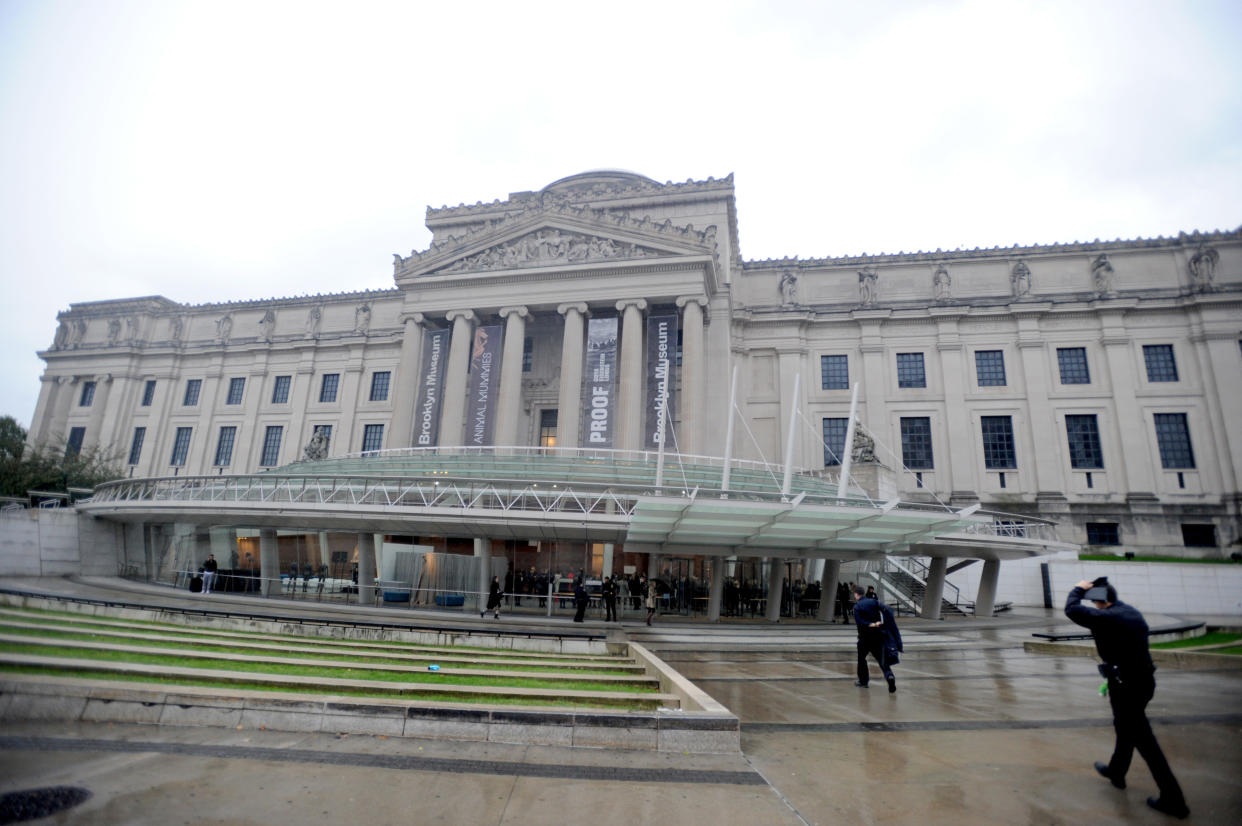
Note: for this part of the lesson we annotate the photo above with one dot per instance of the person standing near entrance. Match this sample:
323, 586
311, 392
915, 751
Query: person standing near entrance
609, 592
1120, 634
581, 597
493, 599
209, 573
652, 595
877, 636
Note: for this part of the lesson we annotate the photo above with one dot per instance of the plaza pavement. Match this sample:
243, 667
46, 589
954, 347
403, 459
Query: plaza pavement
979, 732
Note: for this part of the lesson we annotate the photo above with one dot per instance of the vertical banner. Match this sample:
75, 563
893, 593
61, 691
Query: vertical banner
483, 386
430, 388
601, 372
661, 365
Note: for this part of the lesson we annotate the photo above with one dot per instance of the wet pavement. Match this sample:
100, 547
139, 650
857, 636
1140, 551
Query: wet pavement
979, 731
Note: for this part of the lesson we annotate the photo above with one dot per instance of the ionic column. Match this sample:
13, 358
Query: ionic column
405, 384
985, 599
269, 562
510, 398
934, 594
776, 583
828, 590
94, 424
453, 417
569, 399
630, 395
366, 569
693, 368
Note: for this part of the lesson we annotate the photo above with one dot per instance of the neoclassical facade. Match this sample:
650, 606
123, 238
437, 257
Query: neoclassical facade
1096, 384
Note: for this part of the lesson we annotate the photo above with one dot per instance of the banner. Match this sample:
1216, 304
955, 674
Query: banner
601, 371
430, 388
661, 376
483, 386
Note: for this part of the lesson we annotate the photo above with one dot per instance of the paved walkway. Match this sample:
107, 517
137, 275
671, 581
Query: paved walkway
978, 732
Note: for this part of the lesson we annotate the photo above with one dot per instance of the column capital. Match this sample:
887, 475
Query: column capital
639, 303
684, 300
466, 315
102, 378
519, 310
580, 306
417, 318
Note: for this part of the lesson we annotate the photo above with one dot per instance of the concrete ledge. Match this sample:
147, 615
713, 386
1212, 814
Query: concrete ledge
36, 697
1171, 658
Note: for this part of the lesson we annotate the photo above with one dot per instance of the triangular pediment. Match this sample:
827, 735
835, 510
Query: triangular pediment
556, 236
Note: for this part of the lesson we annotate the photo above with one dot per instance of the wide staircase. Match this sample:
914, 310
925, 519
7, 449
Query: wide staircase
905, 584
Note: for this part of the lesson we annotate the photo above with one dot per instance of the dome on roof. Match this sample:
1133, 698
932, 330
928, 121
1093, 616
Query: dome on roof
599, 176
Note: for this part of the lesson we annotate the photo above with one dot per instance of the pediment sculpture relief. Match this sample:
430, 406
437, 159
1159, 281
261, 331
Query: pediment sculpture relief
549, 247
1203, 268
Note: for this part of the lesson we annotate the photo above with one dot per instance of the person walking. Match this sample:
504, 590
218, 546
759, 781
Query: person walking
1120, 634
652, 596
493, 599
878, 636
609, 593
209, 573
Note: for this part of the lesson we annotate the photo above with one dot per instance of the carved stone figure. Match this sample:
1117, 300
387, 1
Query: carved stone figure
789, 289
79, 332
1203, 268
114, 331
362, 319
317, 447
1102, 274
176, 329
864, 447
867, 278
131, 328
1020, 280
61, 339
267, 325
313, 320
942, 284
224, 328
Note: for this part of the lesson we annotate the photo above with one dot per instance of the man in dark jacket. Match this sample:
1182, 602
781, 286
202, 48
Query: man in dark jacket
877, 636
609, 593
581, 597
1120, 634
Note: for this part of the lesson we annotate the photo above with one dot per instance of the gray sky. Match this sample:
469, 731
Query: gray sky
225, 150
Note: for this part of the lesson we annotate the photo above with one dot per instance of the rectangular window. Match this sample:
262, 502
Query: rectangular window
236, 388
1073, 364
1102, 533
326, 430
379, 385
834, 373
1173, 437
528, 354
88, 394
224, 446
148, 393
327, 390
372, 438
1083, 433
192, 388
547, 428
1199, 536
280, 390
834, 440
74, 445
271, 446
181, 447
1160, 363
998, 451
916, 442
910, 372
135, 446
990, 368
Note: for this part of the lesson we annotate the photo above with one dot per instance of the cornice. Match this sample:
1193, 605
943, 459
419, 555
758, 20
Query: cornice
1180, 241
163, 307
633, 188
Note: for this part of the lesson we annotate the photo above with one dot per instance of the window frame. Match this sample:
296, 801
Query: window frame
1160, 361
380, 387
824, 434
906, 371
181, 446
74, 440
87, 397
237, 390
368, 430
193, 389
1082, 435
281, 388
996, 452
1098, 533
148, 393
993, 372
226, 448
834, 371
1072, 365
269, 455
1169, 438
135, 445
910, 447
323, 388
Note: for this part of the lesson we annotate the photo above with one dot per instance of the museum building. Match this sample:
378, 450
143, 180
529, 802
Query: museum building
1091, 384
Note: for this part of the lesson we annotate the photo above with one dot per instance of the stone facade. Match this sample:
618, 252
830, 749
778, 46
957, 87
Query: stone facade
1072, 358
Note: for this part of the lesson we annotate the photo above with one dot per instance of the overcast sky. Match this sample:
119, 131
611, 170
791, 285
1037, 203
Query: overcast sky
220, 151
